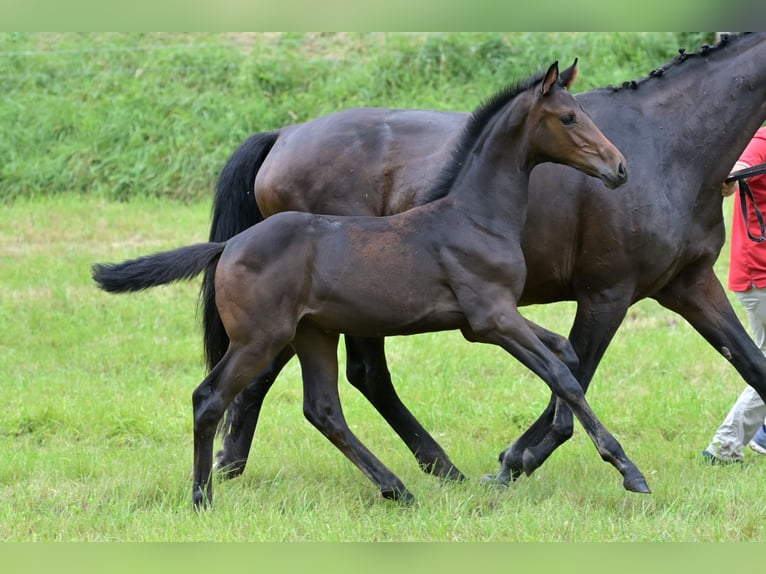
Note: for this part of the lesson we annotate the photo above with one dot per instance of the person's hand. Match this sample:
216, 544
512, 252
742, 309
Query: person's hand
730, 188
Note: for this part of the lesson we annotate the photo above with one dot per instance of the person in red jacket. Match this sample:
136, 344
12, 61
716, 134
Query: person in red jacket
744, 424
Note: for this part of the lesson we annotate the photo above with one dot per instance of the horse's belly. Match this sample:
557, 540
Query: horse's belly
383, 317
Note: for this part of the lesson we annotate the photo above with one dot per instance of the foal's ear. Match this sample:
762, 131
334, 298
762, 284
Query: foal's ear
568, 76
551, 76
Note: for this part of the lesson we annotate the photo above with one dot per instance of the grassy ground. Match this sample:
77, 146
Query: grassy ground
96, 430
95, 434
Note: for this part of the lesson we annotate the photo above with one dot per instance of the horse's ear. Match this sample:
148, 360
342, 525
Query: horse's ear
568, 76
551, 77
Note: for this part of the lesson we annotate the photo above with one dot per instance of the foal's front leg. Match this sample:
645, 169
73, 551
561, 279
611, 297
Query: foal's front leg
368, 372
505, 327
596, 322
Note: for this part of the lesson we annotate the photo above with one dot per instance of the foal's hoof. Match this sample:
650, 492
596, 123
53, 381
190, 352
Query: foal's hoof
445, 471
637, 484
512, 464
400, 495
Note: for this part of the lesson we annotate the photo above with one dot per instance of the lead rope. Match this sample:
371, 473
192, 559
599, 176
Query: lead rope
744, 193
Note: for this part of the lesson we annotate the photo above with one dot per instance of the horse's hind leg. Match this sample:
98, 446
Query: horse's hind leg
317, 352
366, 370
210, 399
242, 418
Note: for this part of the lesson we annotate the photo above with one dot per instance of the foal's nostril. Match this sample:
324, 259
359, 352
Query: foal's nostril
621, 170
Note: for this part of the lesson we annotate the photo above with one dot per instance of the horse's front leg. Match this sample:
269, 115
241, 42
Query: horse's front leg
596, 322
700, 299
504, 326
321, 405
368, 372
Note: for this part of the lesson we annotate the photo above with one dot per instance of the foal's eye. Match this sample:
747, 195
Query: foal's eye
568, 119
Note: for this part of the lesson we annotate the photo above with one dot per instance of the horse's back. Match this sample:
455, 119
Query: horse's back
357, 161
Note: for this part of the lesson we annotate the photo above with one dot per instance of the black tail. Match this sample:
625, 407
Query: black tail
234, 210
158, 269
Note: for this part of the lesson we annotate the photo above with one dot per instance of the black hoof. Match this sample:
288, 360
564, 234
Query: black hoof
200, 501
454, 475
400, 495
637, 484
446, 472
528, 462
228, 469
510, 460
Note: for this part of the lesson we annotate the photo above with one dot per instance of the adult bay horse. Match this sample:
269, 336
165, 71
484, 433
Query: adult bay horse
681, 128
301, 279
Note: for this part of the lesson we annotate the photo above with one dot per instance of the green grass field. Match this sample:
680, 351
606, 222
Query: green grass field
111, 146
96, 430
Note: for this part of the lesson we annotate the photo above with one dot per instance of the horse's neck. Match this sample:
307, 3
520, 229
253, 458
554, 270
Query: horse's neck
493, 191
709, 106
494, 180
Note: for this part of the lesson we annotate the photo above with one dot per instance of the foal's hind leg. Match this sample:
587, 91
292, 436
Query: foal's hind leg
242, 418
317, 352
210, 399
366, 370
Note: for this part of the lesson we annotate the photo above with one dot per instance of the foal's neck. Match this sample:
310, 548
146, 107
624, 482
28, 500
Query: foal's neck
494, 182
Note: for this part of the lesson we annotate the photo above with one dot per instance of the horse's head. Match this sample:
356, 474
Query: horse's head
563, 132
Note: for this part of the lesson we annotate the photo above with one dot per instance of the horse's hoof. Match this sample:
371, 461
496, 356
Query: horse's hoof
510, 460
228, 469
200, 501
528, 462
399, 495
445, 471
454, 475
637, 484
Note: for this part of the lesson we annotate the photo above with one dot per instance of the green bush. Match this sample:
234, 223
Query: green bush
125, 115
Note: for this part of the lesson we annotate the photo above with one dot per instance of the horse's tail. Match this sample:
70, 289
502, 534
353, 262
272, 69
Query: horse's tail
158, 269
234, 210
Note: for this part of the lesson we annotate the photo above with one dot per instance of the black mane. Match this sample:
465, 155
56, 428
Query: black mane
471, 132
683, 56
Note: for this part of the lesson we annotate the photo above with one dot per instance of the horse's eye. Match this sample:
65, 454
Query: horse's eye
568, 119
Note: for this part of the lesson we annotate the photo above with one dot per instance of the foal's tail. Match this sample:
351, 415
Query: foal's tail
158, 269
234, 210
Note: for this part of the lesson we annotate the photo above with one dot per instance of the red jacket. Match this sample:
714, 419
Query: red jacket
747, 268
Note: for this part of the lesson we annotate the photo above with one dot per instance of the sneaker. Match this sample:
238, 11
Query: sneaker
710, 458
758, 444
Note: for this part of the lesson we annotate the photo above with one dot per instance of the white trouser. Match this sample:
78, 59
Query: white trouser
748, 413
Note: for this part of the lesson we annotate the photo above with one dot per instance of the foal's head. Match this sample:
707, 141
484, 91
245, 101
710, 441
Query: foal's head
561, 131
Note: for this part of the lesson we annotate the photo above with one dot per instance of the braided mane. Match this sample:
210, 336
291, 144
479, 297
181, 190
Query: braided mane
683, 56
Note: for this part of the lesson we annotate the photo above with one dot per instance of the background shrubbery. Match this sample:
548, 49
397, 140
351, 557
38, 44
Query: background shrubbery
124, 115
